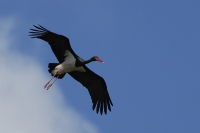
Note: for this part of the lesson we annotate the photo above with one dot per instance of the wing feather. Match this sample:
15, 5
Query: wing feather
97, 89
59, 43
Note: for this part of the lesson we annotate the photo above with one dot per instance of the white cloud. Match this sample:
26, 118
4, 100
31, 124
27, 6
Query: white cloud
24, 106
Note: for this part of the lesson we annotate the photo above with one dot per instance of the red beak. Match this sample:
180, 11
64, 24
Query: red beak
99, 60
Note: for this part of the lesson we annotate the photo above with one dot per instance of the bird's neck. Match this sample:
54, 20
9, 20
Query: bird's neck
87, 61
82, 62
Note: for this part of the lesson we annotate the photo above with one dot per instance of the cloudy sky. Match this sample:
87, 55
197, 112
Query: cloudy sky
152, 67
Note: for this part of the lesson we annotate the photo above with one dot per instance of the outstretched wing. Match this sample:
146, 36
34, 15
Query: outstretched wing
59, 43
97, 89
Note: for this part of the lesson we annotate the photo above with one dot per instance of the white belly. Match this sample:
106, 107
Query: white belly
65, 68
68, 65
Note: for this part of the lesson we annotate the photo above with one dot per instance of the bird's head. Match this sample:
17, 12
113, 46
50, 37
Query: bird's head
96, 58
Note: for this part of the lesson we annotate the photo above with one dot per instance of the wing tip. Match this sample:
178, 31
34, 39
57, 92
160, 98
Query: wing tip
38, 31
102, 106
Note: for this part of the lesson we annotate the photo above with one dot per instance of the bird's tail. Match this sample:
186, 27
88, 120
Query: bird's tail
52, 66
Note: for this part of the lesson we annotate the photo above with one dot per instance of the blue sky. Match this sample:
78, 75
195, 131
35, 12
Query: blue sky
151, 53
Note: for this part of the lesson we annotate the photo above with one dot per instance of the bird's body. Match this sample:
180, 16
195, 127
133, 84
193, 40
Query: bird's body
75, 66
68, 65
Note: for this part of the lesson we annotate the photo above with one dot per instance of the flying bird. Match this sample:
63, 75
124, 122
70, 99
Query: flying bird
75, 66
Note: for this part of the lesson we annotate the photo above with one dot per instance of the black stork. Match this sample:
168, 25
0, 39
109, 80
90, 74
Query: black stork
75, 66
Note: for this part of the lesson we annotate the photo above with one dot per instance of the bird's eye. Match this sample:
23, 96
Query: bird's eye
96, 57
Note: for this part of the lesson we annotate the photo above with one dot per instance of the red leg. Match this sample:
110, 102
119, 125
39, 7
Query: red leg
53, 82
47, 84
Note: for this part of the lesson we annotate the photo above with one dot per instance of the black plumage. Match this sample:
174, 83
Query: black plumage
95, 84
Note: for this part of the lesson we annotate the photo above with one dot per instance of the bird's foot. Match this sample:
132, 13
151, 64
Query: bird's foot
46, 84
